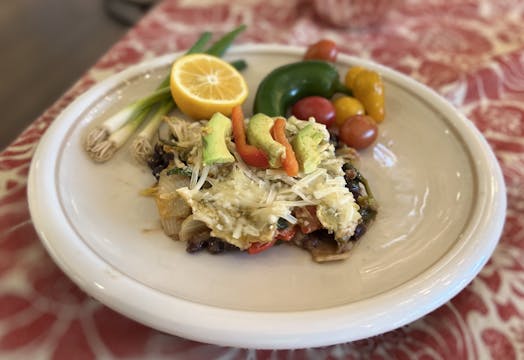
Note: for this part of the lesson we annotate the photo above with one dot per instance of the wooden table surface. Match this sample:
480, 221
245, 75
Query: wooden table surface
43, 61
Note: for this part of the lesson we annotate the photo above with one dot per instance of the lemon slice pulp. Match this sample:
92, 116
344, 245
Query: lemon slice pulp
202, 85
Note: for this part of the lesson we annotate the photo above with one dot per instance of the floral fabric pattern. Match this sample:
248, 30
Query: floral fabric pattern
470, 51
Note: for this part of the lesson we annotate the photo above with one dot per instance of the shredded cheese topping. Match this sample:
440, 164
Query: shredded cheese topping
241, 205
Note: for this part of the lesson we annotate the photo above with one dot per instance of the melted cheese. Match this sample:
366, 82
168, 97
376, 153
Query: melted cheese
241, 205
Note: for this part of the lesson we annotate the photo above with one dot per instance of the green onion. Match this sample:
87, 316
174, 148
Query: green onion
100, 139
142, 146
104, 150
220, 47
240, 64
199, 45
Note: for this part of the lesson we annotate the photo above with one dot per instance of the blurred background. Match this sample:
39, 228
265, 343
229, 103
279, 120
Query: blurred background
47, 45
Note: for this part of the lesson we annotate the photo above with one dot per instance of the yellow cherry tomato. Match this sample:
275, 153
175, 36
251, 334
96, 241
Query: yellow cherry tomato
368, 88
351, 75
345, 107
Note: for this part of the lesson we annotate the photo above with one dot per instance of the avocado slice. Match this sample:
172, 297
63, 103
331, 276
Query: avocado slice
214, 137
259, 135
305, 144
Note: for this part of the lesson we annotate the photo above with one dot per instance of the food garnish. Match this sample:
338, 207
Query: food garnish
368, 88
104, 140
322, 50
250, 154
358, 131
259, 135
306, 144
351, 74
346, 106
318, 107
202, 85
142, 145
288, 159
287, 84
214, 136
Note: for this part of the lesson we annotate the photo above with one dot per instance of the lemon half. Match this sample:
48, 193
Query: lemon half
202, 85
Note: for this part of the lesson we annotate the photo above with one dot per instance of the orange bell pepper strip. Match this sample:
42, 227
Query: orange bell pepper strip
250, 154
289, 163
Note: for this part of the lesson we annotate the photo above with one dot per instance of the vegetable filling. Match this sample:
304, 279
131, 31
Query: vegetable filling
232, 206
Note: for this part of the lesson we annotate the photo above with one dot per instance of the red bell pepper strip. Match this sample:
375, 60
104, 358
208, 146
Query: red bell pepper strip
250, 154
307, 219
281, 234
286, 234
256, 248
289, 162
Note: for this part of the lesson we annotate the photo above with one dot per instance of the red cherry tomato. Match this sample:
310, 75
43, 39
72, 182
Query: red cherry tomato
358, 131
322, 50
316, 106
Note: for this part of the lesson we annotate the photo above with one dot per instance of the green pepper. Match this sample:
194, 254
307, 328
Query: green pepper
289, 83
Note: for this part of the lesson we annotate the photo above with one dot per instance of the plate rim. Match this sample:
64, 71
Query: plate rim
307, 328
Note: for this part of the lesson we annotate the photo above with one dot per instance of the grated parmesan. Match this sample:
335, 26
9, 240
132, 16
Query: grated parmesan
242, 205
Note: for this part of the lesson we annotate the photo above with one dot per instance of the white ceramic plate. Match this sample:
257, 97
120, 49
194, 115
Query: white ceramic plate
442, 207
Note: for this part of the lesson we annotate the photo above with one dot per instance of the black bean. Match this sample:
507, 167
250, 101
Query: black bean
215, 246
159, 160
195, 246
359, 231
367, 214
282, 224
333, 139
354, 188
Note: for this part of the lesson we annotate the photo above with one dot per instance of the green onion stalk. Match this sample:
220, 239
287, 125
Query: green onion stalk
104, 150
104, 140
142, 147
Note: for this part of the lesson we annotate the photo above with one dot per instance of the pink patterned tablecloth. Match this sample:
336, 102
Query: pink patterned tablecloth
471, 51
